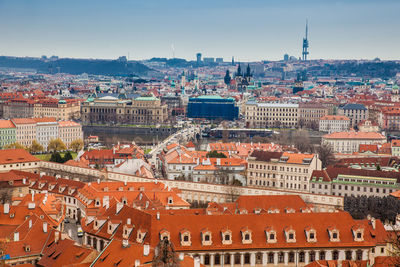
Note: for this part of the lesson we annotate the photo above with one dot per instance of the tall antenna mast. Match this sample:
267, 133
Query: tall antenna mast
305, 44
173, 50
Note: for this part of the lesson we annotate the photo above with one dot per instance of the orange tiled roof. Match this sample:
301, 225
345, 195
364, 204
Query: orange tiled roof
335, 118
355, 135
6, 124
11, 156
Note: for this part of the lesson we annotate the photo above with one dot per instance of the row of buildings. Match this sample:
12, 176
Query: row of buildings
36, 107
262, 115
26, 130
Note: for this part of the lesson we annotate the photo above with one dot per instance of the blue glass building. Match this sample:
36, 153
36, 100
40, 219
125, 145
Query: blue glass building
212, 107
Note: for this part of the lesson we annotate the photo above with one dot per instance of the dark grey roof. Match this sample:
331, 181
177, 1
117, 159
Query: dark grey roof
355, 107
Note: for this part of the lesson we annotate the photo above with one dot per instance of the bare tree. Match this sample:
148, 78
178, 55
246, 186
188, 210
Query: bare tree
165, 255
277, 124
325, 153
5, 197
232, 191
301, 123
301, 141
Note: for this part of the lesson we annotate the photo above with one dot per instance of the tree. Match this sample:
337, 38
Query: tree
215, 154
67, 156
36, 147
233, 191
301, 123
5, 197
301, 141
165, 255
227, 78
277, 124
56, 145
76, 145
325, 153
15, 145
314, 125
56, 157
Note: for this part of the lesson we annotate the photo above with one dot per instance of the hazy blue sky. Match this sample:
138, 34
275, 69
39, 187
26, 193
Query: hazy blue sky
246, 29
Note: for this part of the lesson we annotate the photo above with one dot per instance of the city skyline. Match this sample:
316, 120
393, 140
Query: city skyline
260, 30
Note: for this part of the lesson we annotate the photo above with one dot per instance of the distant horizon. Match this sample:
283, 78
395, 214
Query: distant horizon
194, 60
250, 31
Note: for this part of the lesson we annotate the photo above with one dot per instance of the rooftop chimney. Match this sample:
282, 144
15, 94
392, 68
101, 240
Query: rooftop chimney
6, 208
181, 256
30, 224
197, 262
44, 227
128, 221
137, 263
56, 236
23, 180
16, 236
98, 181
146, 250
125, 243
158, 216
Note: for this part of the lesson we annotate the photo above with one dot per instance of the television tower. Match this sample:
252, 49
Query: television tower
305, 43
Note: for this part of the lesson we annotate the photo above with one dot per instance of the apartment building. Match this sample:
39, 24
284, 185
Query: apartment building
46, 130
355, 112
262, 115
310, 113
349, 142
25, 130
7, 133
282, 170
334, 123
42, 107
59, 109
68, 131
354, 182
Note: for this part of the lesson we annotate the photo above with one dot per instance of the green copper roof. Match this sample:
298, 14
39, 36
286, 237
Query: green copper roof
146, 98
90, 99
62, 101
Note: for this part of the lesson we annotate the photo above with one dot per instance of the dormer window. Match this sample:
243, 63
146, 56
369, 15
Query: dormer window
290, 235
358, 233
334, 235
270, 234
170, 200
185, 238
127, 231
226, 235
97, 202
140, 236
27, 248
164, 234
311, 234
246, 236
206, 238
